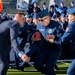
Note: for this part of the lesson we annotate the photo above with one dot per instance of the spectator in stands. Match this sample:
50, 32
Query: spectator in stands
51, 11
44, 7
56, 18
63, 22
55, 4
36, 5
66, 18
72, 4
35, 21
34, 12
63, 9
26, 30
29, 19
30, 9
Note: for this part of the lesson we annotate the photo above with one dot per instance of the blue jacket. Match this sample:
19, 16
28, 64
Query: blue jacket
54, 28
68, 35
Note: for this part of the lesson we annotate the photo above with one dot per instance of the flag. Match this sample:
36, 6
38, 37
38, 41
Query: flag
1, 6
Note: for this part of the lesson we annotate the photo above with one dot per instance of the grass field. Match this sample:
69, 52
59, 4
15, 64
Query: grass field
31, 71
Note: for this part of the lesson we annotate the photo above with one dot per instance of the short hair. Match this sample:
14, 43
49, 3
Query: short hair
20, 13
62, 2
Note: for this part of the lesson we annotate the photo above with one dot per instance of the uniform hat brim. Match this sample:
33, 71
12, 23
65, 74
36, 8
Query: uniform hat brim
43, 13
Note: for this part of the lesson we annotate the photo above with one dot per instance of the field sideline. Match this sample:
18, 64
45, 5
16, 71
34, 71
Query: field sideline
31, 71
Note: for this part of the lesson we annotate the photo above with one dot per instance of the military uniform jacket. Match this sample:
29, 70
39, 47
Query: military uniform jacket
8, 36
68, 35
54, 28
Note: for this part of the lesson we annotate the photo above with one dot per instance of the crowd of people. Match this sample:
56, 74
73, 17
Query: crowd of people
43, 36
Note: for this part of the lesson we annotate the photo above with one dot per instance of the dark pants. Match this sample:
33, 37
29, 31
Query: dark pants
4, 65
71, 69
44, 57
17, 60
45, 62
34, 49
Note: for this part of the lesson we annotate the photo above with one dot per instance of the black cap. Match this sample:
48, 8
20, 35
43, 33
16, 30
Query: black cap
28, 16
54, 0
35, 2
72, 2
63, 15
44, 3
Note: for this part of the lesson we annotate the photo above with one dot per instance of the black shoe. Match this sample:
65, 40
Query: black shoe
24, 64
56, 67
20, 68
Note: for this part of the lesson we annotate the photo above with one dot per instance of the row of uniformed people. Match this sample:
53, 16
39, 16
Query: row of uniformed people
58, 10
54, 8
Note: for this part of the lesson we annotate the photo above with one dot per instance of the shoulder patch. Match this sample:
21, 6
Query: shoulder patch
50, 31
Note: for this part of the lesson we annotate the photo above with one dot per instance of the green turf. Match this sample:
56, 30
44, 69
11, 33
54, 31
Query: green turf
32, 71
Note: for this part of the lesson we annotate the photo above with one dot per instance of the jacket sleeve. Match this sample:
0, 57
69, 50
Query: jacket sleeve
66, 36
13, 38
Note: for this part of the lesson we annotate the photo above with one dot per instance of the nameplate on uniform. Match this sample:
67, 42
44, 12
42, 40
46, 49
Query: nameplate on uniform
41, 30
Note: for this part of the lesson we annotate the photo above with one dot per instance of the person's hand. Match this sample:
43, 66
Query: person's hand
28, 31
50, 38
25, 58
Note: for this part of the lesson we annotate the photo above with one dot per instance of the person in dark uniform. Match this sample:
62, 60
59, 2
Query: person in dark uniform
35, 4
44, 7
51, 11
34, 11
55, 6
63, 22
72, 4
30, 8
62, 8
56, 18
68, 35
8, 37
47, 53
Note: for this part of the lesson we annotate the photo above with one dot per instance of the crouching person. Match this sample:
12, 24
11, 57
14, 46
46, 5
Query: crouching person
48, 53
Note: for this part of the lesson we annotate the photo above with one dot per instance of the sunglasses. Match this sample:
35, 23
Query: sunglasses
43, 19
